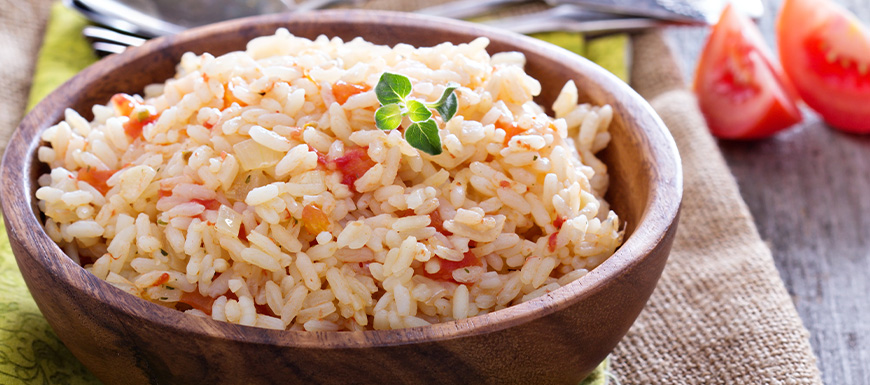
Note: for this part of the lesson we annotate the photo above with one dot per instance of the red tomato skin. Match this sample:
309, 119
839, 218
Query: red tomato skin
825, 51
741, 89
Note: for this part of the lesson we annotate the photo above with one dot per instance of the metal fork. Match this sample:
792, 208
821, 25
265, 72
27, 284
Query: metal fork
565, 17
125, 26
107, 41
572, 18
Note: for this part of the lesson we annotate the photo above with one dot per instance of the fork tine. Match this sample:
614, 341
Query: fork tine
465, 9
594, 27
102, 48
311, 5
110, 36
572, 18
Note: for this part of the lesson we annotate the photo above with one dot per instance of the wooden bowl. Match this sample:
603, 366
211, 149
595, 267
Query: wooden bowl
555, 339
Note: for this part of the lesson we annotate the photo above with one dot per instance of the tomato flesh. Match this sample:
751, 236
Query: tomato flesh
825, 50
438, 223
140, 116
161, 280
352, 165
133, 127
551, 241
314, 220
96, 178
447, 267
229, 98
210, 204
123, 104
510, 130
197, 301
741, 89
342, 90
243, 234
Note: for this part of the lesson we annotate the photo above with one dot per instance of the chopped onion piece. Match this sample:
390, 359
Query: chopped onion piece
245, 182
228, 222
252, 155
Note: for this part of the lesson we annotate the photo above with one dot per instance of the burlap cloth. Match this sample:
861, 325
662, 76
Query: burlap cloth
720, 313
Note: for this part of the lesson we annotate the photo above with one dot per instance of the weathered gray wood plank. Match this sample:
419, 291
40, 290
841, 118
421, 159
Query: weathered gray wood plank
809, 191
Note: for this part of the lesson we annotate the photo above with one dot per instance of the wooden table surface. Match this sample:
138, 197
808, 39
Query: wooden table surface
809, 191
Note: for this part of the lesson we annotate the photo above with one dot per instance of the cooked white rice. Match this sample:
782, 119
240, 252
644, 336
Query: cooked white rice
256, 195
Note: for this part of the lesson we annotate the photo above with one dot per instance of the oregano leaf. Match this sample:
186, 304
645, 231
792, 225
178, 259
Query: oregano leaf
417, 111
448, 108
392, 88
444, 95
448, 103
388, 117
424, 136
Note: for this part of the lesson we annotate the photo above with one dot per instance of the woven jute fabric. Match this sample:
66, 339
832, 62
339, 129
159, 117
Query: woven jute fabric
720, 313
21, 26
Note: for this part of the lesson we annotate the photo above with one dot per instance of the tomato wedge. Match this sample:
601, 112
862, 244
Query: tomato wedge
825, 50
741, 88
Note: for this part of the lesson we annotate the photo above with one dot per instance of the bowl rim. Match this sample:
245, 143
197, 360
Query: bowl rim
648, 234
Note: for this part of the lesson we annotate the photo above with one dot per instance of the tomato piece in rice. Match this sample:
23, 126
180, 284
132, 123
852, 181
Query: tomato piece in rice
229, 98
124, 104
551, 242
138, 120
96, 178
342, 90
140, 116
447, 267
314, 220
438, 223
210, 204
510, 130
352, 165
197, 301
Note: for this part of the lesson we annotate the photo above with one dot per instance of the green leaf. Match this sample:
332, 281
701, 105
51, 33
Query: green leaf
388, 117
448, 109
417, 111
392, 88
424, 136
444, 95
448, 103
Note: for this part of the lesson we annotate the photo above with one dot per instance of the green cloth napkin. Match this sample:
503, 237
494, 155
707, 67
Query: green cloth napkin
608, 51
30, 352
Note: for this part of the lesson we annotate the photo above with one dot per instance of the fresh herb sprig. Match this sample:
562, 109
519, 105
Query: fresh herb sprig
392, 91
